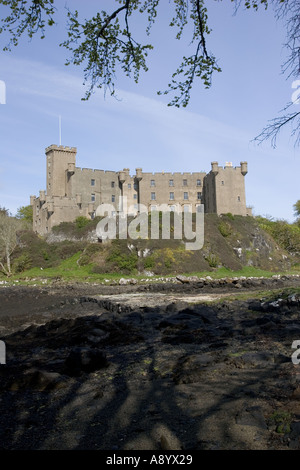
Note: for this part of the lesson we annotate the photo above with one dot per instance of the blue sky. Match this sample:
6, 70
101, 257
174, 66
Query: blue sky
138, 129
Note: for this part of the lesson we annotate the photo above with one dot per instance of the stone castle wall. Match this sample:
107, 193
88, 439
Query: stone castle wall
73, 191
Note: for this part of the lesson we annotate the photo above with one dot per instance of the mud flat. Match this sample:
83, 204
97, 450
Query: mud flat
142, 367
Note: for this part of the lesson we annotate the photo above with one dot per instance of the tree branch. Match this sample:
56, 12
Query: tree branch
111, 17
272, 130
201, 29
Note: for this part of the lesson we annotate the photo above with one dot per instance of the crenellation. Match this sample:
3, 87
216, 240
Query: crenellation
74, 191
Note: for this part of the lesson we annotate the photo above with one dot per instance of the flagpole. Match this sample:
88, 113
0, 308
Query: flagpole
59, 130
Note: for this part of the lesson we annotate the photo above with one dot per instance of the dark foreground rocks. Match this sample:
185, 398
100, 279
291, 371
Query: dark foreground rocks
181, 376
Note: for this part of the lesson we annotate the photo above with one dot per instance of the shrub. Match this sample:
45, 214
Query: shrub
122, 261
213, 260
81, 221
88, 253
66, 248
225, 229
149, 262
286, 235
22, 263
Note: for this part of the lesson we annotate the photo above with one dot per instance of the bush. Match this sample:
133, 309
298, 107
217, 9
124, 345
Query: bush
213, 260
81, 221
122, 261
66, 248
78, 229
88, 253
286, 235
225, 229
149, 262
22, 263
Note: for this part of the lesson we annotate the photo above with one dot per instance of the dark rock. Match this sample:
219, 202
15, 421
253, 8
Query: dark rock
39, 380
84, 359
255, 305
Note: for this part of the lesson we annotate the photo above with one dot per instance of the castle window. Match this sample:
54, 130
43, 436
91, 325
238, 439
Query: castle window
186, 208
172, 196
222, 182
199, 195
153, 197
92, 182
93, 198
198, 208
129, 185
135, 196
184, 182
198, 182
152, 183
171, 182
135, 186
112, 184
239, 199
113, 198
185, 196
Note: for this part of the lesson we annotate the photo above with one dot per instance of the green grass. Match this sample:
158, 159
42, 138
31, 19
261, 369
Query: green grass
247, 271
69, 270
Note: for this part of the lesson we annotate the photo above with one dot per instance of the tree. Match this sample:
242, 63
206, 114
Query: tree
296, 207
105, 43
4, 211
25, 213
9, 227
288, 10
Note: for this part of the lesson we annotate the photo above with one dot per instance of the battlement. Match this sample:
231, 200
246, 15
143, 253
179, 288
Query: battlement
178, 174
61, 148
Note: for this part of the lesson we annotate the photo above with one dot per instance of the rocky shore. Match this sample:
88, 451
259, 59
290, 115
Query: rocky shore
151, 366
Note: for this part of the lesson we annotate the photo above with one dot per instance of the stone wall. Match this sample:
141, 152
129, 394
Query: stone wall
73, 191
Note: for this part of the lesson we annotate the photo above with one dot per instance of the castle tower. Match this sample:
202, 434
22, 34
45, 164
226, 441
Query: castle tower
224, 189
60, 168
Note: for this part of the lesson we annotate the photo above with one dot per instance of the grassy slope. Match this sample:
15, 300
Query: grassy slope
234, 246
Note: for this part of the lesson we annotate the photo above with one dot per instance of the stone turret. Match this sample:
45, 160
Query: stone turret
214, 168
42, 196
139, 174
122, 177
244, 168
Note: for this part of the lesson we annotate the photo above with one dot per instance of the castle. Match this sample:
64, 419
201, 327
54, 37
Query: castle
73, 191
